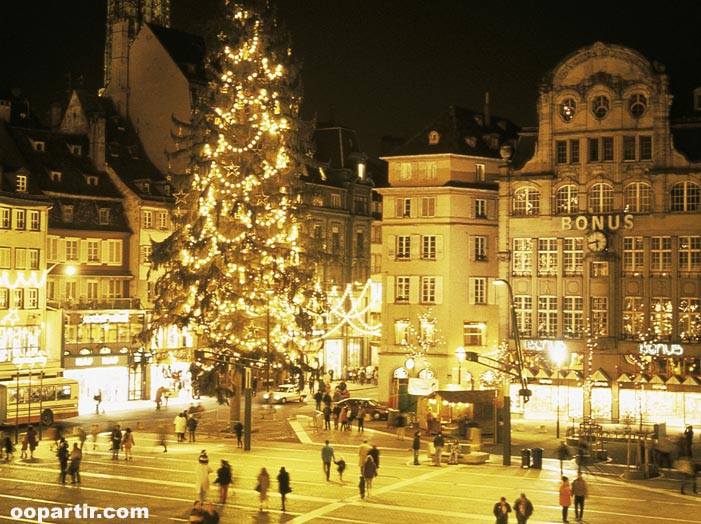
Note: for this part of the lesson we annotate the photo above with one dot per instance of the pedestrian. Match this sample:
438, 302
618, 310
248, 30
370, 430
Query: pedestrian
163, 437
197, 513
438, 444
688, 440
327, 417
327, 456
159, 398
82, 437
238, 429
262, 488
401, 425
687, 470
565, 497
363, 451
361, 487
63, 454
224, 479
523, 508
192, 426
202, 472
375, 454
95, 431
127, 443
454, 451
369, 473
75, 457
340, 467
9, 448
283, 481
318, 396
501, 511
563, 453
361, 418
98, 401
343, 418
180, 423
416, 446
579, 490
581, 453
210, 515
116, 440
31, 439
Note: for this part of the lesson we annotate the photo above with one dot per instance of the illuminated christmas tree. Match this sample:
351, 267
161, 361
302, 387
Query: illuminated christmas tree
234, 271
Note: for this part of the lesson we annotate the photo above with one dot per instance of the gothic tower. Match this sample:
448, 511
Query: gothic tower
127, 17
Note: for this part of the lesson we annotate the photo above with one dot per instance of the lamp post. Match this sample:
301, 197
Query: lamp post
460, 355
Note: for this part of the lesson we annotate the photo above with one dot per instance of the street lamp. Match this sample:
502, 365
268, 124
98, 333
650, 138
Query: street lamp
460, 354
557, 354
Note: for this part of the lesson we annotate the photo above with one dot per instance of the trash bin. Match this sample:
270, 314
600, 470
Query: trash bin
392, 418
526, 458
537, 458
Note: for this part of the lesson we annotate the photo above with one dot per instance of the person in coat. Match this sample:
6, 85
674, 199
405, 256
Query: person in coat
76, 457
438, 444
340, 467
63, 455
327, 457
180, 424
563, 453
369, 473
128, 443
238, 429
283, 480
416, 446
191, 426
224, 479
501, 511
579, 490
565, 497
116, 440
523, 509
202, 472
262, 488
30, 438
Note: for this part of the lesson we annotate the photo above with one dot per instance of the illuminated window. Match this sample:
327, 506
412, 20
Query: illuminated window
402, 289
473, 334
661, 254
638, 198
524, 314
360, 242
428, 290
147, 219
690, 254
93, 289
162, 220
599, 268
21, 183
567, 109
480, 172
20, 219
32, 298
599, 316
661, 317
72, 249
401, 331
633, 254
478, 290
479, 245
20, 258
18, 298
428, 247
573, 256
4, 298
480, 208
93, 250
601, 198
685, 196
547, 257
33, 258
5, 217
335, 241
34, 221
526, 202
114, 252
68, 213
336, 201
572, 317
427, 170
523, 256
633, 317
403, 247
690, 319
547, 316
405, 171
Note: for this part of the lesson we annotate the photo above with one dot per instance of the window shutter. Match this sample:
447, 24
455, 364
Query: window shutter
414, 284
471, 291
399, 207
492, 292
471, 245
83, 248
439, 290
389, 285
391, 246
105, 251
415, 247
61, 255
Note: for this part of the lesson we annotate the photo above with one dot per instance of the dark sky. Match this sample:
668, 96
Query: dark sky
382, 67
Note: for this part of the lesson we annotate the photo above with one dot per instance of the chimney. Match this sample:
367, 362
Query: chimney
487, 116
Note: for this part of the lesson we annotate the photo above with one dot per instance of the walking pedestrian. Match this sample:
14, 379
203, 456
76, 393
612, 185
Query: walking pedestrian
340, 467
192, 426
95, 432
375, 454
438, 444
283, 481
327, 456
501, 511
562, 453
369, 473
210, 515
579, 490
63, 454
82, 437
416, 446
116, 440
180, 424
401, 425
262, 488
363, 451
688, 440
687, 470
318, 396
523, 509
565, 497
202, 472
9, 448
31, 440
343, 418
127, 443
327, 418
163, 437
224, 479
76, 457
361, 418
238, 429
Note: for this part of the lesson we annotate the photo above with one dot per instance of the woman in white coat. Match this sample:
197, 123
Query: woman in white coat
202, 475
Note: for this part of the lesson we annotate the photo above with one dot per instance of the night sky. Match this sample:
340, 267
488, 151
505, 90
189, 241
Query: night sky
382, 67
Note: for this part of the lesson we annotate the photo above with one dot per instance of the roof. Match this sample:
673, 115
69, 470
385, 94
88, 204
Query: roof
461, 132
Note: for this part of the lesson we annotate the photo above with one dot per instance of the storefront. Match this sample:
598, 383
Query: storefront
104, 374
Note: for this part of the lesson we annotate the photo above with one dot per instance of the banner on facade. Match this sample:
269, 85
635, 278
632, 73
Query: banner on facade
422, 387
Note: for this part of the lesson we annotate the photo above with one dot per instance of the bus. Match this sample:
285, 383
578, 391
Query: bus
42, 400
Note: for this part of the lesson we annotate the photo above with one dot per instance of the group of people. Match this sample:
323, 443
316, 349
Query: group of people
187, 421
121, 442
368, 462
576, 491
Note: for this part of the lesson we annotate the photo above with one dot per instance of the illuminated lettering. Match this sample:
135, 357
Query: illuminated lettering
659, 349
110, 361
103, 318
83, 361
597, 222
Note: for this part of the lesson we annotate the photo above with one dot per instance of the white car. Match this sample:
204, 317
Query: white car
284, 394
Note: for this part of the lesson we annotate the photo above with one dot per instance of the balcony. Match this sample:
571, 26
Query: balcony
95, 304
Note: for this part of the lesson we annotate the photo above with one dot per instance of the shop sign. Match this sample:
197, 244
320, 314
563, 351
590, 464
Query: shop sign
597, 222
599, 384
106, 318
23, 356
659, 349
545, 346
113, 360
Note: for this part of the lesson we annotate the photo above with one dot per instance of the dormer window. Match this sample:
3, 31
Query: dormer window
38, 145
434, 137
91, 180
113, 149
104, 216
75, 149
146, 187
68, 213
55, 176
21, 183
166, 190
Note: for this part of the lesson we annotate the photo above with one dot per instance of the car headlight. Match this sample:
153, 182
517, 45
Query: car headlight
277, 397
266, 396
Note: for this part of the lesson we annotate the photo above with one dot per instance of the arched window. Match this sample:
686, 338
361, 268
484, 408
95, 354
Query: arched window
568, 108
600, 106
526, 202
601, 198
685, 196
637, 198
637, 104
567, 200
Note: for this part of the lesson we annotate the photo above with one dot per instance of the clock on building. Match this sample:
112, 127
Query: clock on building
596, 241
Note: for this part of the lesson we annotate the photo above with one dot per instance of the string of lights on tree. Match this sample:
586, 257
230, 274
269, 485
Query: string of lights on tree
235, 271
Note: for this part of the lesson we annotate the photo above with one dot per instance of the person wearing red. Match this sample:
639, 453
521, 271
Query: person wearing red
565, 497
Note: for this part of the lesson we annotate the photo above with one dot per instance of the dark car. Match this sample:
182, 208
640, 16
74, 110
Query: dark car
376, 410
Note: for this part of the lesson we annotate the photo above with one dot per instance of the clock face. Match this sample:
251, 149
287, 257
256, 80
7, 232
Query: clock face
596, 241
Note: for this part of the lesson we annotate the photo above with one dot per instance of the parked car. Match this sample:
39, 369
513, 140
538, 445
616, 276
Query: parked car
376, 410
283, 394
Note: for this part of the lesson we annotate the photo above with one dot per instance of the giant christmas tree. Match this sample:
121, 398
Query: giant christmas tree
234, 272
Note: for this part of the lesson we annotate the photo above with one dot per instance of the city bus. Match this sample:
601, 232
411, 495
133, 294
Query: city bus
42, 400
